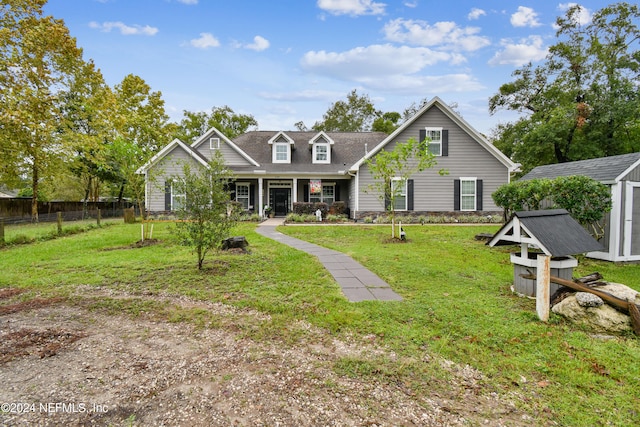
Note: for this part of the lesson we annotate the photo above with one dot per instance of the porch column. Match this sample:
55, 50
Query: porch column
294, 192
260, 197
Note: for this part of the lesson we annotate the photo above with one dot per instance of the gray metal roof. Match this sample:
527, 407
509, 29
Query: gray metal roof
554, 229
603, 169
348, 148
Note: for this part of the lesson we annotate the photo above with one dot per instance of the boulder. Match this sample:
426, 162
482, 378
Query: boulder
236, 242
602, 318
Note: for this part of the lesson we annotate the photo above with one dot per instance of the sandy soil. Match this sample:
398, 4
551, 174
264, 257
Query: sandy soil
62, 364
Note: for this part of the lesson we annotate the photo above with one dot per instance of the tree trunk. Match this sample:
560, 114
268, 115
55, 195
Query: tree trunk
34, 188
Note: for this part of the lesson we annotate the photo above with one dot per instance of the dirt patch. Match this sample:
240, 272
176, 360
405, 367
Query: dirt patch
28, 305
114, 370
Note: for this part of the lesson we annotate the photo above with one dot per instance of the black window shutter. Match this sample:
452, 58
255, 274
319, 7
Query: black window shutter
252, 196
167, 195
456, 194
422, 135
306, 192
337, 195
445, 142
479, 194
410, 194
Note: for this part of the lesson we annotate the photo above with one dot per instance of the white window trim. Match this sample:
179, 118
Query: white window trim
214, 143
404, 193
275, 148
475, 193
324, 184
431, 143
248, 197
175, 195
315, 152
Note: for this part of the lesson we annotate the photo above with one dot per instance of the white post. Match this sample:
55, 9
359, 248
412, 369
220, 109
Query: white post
543, 280
260, 198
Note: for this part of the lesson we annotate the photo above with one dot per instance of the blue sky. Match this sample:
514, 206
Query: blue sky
283, 61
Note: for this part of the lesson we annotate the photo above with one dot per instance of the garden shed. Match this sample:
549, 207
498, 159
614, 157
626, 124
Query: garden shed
552, 232
621, 241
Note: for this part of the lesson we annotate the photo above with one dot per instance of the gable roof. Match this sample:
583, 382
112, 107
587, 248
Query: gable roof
176, 143
459, 121
227, 141
607, 170
554, 231
348, 148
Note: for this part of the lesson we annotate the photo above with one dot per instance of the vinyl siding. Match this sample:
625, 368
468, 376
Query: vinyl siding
433, 192
170, 165
231, 156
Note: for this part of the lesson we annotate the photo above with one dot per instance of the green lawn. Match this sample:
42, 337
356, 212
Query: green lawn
457, 306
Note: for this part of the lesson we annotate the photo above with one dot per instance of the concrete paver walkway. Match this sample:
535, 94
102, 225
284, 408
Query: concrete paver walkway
356, 281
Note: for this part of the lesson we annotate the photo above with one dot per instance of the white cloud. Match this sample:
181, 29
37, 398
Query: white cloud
188, 1
525, 17
411, 4
583, 16
386, 67
304, 95
444, 34
126, 30
352, 7
205, 41
476, 14
259, 44
520, 53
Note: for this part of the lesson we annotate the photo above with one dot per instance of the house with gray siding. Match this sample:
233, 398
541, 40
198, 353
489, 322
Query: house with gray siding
279, 168
622, 225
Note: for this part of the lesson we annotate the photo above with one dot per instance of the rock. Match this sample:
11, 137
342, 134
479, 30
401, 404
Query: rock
237, 242
586, 299
602, 318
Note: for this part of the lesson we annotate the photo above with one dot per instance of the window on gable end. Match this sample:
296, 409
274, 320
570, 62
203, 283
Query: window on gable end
214, 143
435, 140
468, 194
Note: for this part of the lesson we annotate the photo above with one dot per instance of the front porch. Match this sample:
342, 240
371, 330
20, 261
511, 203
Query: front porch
279, 195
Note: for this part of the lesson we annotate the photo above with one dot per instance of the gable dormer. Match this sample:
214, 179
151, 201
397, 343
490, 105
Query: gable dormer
281, 147
321, 148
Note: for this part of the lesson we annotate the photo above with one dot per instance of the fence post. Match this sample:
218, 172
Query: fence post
543, 274
59, 222
98, 217
2, 242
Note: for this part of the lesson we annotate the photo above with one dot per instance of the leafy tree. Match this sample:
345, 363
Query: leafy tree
392, 169
387, 122
231, 124
141, 124
88, 109
356, 114
583, 102
204, 219
586, 199
38, 59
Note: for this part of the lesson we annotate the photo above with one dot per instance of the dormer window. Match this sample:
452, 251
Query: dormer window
321, 148
281, 152
281, 146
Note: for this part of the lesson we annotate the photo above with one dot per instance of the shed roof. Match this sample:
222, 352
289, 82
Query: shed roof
554, 231
603, 169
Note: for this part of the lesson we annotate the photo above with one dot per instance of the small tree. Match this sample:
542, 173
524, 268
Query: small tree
204, 216
392, 169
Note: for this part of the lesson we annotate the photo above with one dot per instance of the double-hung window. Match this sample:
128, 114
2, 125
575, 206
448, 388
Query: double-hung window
468, 194
399, 192
434, 137
242, 194
321, 153
281, 152
328, 194
178, 195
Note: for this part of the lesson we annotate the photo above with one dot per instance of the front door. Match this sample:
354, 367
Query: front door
281, 197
